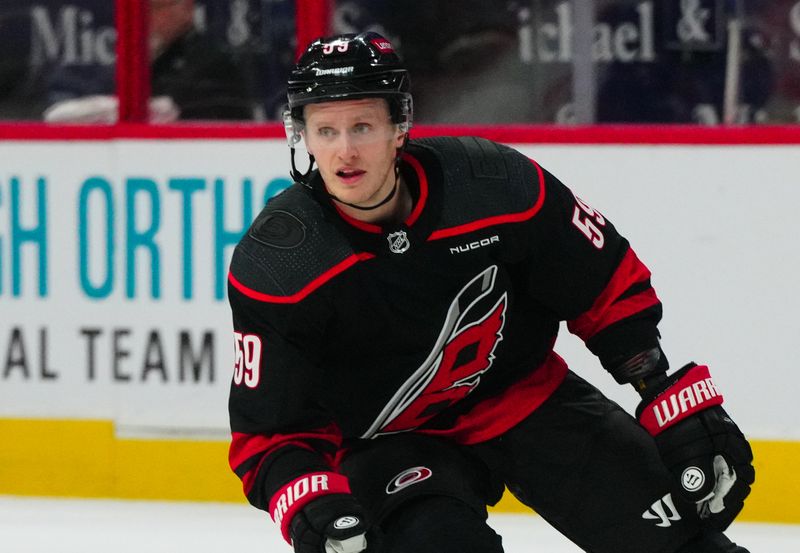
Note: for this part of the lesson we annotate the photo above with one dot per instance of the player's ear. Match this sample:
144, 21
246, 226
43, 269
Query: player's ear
399, 137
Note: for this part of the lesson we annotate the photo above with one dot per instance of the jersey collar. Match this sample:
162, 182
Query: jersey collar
421, 173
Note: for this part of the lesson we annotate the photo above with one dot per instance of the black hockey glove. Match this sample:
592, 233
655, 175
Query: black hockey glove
329, 524
699, 443
318, 514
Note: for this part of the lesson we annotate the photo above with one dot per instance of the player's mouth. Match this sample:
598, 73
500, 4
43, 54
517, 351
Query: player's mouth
350, 176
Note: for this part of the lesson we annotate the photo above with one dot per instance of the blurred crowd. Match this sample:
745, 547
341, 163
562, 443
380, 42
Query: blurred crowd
488, 61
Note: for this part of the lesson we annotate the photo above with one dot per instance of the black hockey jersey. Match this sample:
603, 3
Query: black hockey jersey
442, 324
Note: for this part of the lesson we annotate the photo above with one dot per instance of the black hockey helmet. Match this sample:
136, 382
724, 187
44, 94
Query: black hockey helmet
346, 67
350, 67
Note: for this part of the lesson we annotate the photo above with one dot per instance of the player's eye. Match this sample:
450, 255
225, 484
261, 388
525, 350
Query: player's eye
362, 128
326, 132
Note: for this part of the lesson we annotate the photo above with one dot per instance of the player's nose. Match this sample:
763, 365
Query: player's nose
346, 147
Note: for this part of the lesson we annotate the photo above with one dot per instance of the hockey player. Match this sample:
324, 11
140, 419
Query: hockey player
394, 316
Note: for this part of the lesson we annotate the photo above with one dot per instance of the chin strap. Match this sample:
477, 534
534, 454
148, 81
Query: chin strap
297, 176
384, 201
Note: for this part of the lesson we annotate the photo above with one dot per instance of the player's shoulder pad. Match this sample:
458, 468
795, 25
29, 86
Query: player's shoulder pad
484, 180
287, 249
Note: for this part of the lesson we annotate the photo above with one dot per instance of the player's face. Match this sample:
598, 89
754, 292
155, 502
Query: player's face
354, 143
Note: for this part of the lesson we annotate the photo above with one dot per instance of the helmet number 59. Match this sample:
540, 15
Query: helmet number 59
338, 46
589, 221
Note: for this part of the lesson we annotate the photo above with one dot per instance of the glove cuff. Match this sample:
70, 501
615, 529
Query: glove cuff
292, 497
688, 391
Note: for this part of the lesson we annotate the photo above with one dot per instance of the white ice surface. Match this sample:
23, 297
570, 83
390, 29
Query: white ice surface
33, 525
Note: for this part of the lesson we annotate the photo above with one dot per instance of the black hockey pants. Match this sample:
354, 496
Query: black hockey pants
579, 461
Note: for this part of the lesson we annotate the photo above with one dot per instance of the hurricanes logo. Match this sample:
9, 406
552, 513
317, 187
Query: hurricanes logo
407, 478
463, 352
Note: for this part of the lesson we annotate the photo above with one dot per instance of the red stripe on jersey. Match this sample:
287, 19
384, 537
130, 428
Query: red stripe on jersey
360, 225
499, 414
607, 308
498, 219
305, 291
249, 478
423, 188
245, 446
422, 178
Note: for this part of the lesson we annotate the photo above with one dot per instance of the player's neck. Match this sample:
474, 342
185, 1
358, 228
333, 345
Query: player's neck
395, 210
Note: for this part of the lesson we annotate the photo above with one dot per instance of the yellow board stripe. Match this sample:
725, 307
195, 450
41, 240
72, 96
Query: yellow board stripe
84, 458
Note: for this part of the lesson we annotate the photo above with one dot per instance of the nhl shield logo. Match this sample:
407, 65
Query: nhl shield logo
398, 242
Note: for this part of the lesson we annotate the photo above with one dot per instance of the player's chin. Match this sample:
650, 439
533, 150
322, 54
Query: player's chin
351, 195
358, 190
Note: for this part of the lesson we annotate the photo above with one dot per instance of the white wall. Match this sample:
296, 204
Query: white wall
718, 228
715, 224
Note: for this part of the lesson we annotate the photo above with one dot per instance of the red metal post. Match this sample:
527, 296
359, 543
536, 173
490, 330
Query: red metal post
133, 60
312, 20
